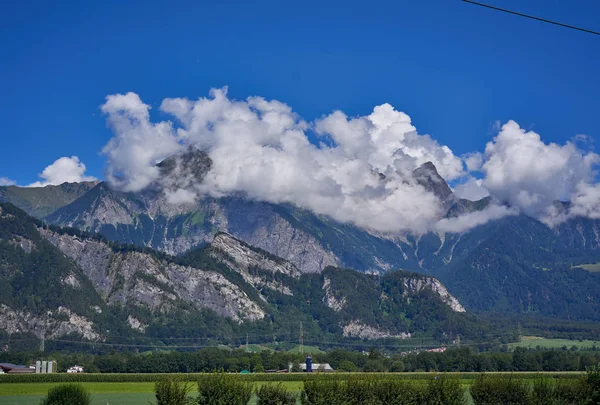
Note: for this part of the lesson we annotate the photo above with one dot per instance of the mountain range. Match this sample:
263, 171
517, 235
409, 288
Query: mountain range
64, 284
512, 265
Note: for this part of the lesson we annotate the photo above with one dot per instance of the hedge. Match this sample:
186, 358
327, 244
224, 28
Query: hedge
263, 377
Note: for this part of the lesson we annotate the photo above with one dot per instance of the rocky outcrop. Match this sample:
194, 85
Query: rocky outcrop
136, 324
282, 239
360, 330
330, 299
417, 284
142, 279
57, 323
255, 266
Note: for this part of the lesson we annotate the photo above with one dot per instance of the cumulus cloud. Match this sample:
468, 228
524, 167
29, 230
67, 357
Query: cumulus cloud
4, 181
138, 144
471, 189
360, 171
261, 148
527, 173
63, 170
473, 161
472, 219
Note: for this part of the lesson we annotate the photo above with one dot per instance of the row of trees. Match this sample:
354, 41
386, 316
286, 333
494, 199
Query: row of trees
220, 388
210, 359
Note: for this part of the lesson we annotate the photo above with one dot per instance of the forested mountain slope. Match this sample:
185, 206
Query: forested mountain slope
65, 282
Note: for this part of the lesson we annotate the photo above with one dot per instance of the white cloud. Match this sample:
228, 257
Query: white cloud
473, 161
530, 174
4, 181
472, 219
471, 189
261, 148
63, 170
137, 145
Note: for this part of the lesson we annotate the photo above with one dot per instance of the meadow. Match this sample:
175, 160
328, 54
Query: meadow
532, 342
29, 389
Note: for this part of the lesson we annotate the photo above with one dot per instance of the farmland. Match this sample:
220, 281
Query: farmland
532, 342
29, 390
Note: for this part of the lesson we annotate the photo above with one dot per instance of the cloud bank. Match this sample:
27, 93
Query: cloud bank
64, 169
359, 170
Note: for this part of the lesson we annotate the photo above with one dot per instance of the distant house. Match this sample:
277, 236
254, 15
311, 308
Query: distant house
75, 369
309, 366
10, 368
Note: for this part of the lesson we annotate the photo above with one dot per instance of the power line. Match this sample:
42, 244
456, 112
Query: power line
532, 17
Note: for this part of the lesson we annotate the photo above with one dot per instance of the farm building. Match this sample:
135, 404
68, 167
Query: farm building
10, 368
310, 367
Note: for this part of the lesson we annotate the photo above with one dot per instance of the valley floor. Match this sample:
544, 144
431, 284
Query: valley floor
141, 393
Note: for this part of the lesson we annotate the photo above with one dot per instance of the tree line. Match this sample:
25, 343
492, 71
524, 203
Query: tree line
211, 359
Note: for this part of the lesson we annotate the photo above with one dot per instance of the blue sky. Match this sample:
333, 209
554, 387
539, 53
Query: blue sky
453, 67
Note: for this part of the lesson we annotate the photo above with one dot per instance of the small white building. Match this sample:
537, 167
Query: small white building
75, 369
316, 367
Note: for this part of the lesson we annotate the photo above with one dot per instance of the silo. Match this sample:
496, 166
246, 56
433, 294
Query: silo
308, 364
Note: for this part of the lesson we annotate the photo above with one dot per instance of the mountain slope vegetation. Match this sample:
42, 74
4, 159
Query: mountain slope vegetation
64, 282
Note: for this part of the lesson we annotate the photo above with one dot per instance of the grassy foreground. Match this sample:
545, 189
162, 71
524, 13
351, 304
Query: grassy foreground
141, 393
129, 393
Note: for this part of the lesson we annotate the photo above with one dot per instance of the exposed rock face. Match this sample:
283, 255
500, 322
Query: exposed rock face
53, 325
428, 176
75, 324
25, 244
255, 266
142, 279
330, 299
279, 237
136, 324
415, 285
360, 330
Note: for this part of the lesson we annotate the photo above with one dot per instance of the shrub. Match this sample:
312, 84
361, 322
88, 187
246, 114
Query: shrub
397, 392
67, 394
569, 392
274, 394
321, 391
488, 390
544, 392
171, 391
223, 389
444, 390
593, 385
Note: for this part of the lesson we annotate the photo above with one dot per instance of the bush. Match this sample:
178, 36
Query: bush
223, 389
397, 392
274, 394
321, 391
488, 390
367, 390
67, 394
172, 391
593, 385
444, 390
569, 392
544, 392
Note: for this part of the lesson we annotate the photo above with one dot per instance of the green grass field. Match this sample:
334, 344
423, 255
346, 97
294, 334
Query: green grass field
102, 393
141, 393
535, 341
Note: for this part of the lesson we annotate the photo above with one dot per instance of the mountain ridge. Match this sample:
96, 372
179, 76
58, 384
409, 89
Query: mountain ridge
543, 265
225, 287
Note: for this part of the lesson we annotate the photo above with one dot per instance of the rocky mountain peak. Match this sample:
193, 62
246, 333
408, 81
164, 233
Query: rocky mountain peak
191, 165
428, 176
